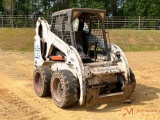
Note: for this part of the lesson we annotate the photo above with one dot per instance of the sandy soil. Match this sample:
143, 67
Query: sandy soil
19, 101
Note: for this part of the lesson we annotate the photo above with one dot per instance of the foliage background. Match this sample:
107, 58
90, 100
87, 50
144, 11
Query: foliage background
113, 7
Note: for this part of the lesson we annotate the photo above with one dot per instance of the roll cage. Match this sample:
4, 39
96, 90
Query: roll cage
92, 43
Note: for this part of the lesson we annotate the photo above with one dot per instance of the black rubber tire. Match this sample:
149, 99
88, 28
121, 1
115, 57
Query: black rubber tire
41, 81
64, 88
132, 76
120, 83
132, 80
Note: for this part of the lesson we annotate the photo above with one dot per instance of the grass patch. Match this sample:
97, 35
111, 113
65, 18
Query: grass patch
21, 39
18, 39
136, 40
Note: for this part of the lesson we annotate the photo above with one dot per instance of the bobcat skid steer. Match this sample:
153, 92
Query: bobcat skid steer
74, 60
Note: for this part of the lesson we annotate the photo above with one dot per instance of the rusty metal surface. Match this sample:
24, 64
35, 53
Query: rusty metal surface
128, 90
93, 96
108, 69
101, 63
90, 71
102, 78
77, 9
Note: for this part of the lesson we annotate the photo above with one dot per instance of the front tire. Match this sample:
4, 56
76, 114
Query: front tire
132, 79
64, 88
132, 76
41, 81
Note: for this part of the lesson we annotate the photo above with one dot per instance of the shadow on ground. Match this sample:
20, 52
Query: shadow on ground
141, 95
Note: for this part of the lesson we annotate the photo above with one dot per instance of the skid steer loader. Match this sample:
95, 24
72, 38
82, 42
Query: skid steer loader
75, 61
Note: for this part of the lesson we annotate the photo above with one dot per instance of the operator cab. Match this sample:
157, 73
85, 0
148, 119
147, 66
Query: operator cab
84, 29
89, 37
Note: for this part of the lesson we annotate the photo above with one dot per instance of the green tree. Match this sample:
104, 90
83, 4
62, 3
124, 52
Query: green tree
111, 7
142, 8
47, 6
9, 6
1, 7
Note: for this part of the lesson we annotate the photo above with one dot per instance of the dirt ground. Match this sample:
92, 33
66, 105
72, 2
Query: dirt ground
19, 101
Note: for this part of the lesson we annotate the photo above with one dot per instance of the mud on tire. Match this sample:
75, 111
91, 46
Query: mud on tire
41, 81
64, 88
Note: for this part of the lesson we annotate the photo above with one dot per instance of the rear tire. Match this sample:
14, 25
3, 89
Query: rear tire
41, 81
64, 88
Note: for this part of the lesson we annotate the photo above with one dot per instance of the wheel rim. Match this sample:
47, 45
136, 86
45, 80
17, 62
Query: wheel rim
57, 89
38, 82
